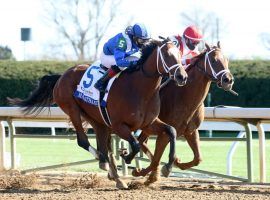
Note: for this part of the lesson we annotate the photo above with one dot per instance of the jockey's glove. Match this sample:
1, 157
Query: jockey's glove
133, 63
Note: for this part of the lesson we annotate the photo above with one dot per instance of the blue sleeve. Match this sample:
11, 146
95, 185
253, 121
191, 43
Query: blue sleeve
119, 56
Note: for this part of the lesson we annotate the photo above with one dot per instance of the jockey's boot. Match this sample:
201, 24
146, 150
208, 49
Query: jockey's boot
102, 82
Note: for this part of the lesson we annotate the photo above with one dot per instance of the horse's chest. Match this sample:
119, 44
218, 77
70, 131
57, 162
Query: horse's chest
137, 112
146, 114
180, 118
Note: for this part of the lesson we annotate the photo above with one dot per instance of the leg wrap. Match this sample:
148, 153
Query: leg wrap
83, 143
135, 146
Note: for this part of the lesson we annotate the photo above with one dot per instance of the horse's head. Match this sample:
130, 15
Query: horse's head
216, 67
166, 57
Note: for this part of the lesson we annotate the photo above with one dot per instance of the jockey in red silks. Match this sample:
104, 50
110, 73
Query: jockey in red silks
122, 51
188, 43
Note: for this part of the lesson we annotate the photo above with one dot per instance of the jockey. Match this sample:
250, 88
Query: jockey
122, 51
187, 43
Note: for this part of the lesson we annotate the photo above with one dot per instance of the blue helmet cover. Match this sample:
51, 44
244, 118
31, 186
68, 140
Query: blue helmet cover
140, 31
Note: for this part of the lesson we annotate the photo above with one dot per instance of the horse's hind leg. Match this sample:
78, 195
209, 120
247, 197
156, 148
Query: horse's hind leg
102, 136
73, 111
193, 141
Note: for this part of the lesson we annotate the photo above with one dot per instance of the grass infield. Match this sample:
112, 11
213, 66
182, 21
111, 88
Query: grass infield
43, 152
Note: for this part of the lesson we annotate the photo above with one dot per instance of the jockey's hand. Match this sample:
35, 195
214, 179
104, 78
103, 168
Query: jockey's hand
133, 63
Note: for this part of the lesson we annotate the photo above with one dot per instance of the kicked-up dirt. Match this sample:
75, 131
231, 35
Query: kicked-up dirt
56, 185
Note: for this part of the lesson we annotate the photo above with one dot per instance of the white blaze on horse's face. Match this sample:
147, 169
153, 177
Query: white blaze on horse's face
175, 71
219, 70
175, 52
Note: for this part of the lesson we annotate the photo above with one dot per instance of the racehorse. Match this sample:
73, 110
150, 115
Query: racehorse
133, 102
183, 107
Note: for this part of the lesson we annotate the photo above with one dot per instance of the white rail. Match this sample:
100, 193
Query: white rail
259, 117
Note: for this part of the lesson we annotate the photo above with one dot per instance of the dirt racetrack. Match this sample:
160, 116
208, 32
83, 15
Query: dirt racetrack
92, 186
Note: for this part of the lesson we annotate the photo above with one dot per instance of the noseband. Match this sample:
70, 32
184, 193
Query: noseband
214, 75
165, 67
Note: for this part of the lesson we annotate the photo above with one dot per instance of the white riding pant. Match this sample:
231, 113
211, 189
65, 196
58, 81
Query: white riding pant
109, 60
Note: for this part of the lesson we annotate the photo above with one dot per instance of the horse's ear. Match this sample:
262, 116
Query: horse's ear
207, 47
218, 44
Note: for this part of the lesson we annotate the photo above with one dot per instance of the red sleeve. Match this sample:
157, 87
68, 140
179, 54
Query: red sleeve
192, 54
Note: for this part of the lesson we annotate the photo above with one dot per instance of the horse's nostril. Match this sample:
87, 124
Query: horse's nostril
180, 77
226, 80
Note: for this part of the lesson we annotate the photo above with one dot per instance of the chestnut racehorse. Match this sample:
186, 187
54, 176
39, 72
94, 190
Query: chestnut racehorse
133, 102
183, 108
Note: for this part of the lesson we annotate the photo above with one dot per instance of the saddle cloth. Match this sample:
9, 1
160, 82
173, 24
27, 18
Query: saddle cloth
86, 90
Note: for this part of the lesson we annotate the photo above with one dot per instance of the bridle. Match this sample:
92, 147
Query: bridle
164, 65
214, 75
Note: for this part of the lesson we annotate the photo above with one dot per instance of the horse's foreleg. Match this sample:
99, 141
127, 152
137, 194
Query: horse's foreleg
143, 138
112, 174
143, 145
161, 143
193, 141
124, 132
162, 140
170, 132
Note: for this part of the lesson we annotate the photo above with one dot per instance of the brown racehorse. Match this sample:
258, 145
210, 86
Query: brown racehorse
133, 101
183, 108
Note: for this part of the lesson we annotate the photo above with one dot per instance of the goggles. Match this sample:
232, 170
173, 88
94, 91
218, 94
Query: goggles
141, 41
193, 42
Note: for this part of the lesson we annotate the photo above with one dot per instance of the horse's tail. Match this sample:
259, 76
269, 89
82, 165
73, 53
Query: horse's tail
41, 97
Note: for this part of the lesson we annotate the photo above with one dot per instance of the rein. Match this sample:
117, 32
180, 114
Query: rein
166, 68
214, 74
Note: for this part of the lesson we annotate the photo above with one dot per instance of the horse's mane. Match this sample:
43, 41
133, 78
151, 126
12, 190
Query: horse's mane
146, 50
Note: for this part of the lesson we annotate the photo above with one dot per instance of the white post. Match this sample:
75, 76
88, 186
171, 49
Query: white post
262, 152
124, 165
2, 146
12, 133
53, 131
231, 152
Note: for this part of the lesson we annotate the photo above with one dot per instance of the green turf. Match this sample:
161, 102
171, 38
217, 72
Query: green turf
43, 152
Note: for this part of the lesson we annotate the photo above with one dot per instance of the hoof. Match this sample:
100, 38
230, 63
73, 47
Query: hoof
153, 177
135, 172
104, 166
121, 184
166, 171
150, 180
110, 177
123, 151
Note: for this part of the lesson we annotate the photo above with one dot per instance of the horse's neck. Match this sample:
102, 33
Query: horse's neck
193, 93
149, 78
199, 83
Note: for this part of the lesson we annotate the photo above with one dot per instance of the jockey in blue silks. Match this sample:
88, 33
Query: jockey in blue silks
119, 52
